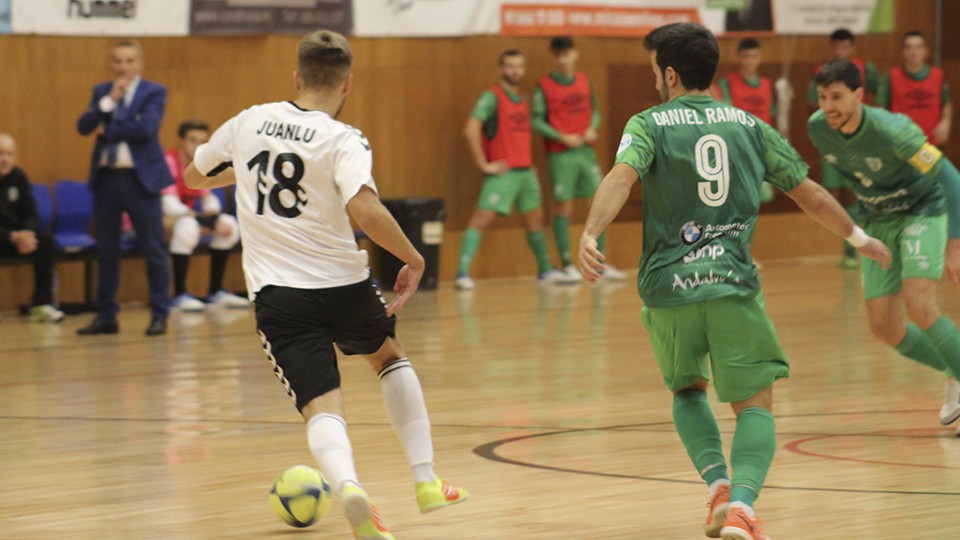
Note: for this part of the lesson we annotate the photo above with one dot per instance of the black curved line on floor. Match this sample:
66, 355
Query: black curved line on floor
488, 451
624, 427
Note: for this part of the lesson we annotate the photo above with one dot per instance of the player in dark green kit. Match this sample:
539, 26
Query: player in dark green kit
905, 189
702, 163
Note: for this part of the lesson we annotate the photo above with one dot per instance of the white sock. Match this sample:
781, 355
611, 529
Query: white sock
746, 507
328, 441
408, 414
717, 483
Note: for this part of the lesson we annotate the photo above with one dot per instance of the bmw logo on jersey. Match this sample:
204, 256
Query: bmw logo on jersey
691, 232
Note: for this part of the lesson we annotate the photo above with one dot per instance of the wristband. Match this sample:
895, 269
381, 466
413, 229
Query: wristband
858, 238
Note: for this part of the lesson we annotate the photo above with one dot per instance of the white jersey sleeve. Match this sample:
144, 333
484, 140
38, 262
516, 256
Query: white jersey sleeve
214, 156
353, 165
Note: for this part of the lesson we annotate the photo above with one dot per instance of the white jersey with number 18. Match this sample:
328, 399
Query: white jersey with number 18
296, 171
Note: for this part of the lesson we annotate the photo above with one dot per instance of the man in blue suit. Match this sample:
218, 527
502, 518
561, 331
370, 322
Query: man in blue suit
127, 173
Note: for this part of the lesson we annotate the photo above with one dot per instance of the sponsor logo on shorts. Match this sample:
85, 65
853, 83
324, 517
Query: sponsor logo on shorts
691, 232
831, 159
709, 251
915, 230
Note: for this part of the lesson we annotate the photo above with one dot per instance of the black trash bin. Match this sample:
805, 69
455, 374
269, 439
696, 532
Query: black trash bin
421, 219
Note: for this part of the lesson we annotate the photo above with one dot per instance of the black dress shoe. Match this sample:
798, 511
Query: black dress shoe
158, 327
99, 326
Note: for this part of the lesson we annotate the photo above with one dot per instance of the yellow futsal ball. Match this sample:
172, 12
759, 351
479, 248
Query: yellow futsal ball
300, 496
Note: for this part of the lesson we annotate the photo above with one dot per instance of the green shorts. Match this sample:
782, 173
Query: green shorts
574, 174
917, 244
516, 186
732, 337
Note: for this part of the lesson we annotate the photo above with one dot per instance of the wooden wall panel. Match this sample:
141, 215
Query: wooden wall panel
411, 98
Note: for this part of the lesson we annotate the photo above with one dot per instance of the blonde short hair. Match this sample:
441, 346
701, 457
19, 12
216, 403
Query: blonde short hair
323, 59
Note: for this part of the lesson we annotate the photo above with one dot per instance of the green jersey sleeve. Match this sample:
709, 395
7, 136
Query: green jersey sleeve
883, 92
812, 98
636, 146
538, 119
945, 92
595, 107
906, 137
785, 168
873, 78
486, 107
725, 94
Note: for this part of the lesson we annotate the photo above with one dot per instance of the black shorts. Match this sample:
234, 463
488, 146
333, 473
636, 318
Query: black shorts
298, 328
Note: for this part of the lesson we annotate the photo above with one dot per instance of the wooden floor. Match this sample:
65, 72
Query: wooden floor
546, 403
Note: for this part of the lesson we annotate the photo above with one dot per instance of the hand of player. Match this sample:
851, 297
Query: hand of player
876, 250
119, 88
570, 140
408, 279
495, 168
590, 135
941, 134
590, 260
952, 262
26, 241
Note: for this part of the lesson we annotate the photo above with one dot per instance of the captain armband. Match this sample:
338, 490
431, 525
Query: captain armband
925, 158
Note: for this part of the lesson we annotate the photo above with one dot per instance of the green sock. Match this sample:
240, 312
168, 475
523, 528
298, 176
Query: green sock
561, 233
917, 346
538, 244
754, 444
697, 428
468, 248
602, 243
946, 339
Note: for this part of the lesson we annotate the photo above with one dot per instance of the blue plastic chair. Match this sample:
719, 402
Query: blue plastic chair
41, 195
74, 214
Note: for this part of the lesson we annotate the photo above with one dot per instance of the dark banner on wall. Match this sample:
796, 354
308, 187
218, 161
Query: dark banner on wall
269, 16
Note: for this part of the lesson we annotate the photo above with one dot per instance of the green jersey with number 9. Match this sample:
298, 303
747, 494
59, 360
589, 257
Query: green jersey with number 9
702, 164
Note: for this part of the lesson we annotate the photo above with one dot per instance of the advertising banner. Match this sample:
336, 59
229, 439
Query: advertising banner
234, 17
825, 16
615, 17
100, 17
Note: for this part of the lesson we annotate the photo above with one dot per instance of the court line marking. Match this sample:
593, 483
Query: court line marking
489, 451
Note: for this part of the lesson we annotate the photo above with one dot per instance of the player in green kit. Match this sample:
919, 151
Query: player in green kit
565, 113
498, 133
906, 189
702, 163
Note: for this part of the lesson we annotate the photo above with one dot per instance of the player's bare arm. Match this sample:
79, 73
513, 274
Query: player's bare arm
817, 203
941, 133
610, 197
375, 220
196, 180
473, 132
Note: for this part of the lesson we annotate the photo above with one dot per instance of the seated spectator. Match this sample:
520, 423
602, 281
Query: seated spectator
20, 232
186, 224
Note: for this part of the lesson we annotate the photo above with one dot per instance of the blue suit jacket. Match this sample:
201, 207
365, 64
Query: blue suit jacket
138, 125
